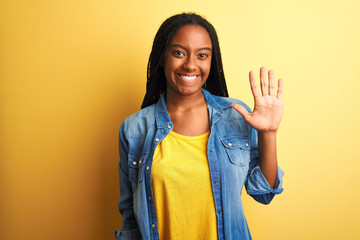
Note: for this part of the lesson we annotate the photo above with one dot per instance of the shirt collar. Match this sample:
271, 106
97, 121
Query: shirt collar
162, 117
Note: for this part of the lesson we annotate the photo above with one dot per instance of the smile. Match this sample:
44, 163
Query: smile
188, 78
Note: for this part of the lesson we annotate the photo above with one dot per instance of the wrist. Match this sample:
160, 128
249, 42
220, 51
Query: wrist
267, 134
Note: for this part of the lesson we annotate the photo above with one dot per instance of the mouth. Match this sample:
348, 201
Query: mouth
188, 78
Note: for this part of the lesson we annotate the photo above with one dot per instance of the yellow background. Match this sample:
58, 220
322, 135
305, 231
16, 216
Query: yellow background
71, 71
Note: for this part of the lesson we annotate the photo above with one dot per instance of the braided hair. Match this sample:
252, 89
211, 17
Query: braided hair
156, 81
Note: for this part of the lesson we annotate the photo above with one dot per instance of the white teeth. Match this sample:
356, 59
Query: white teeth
189, 78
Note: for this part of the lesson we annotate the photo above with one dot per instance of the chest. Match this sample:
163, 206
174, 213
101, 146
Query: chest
191, 123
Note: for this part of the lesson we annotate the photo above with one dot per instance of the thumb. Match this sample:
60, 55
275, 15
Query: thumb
246, 115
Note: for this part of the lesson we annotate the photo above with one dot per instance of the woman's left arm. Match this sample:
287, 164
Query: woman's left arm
265, 118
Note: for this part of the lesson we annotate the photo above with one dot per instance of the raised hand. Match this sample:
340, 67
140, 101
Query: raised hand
268, 108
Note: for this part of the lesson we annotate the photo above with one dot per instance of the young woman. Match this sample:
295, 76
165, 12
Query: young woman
185, 157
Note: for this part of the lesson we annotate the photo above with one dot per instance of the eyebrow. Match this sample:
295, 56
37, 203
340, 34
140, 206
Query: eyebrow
180, 46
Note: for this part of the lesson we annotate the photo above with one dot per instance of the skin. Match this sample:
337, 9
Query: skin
189, 55
265, 118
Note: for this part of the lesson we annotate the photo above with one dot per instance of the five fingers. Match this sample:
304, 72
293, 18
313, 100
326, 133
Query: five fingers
267, 87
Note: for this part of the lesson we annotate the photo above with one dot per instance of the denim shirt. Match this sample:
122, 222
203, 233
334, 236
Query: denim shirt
232, 153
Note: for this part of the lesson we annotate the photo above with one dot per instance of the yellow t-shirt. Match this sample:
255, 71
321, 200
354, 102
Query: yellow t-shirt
182, 189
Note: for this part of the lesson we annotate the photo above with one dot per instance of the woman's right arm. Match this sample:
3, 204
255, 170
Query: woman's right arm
130, 228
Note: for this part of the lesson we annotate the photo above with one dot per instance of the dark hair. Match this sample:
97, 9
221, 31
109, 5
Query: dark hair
156, 82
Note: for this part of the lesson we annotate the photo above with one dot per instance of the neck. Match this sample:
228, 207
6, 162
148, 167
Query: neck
186, 103
189, 113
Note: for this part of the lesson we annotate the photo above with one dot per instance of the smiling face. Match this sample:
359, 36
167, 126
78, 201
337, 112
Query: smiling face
187, 61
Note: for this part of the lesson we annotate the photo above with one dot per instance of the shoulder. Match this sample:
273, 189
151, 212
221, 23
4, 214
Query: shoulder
138, 123
231, 123
230, 113
227, 102
237, 101
223, 103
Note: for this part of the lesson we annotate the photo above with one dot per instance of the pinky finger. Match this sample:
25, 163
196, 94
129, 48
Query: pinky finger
280, 89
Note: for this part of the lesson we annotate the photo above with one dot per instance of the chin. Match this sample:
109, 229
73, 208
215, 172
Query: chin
189, 92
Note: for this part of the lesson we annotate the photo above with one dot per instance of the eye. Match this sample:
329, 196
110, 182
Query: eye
203, 55
178, 53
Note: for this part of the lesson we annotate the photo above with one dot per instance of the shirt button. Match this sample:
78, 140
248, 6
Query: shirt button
157, 139
220, 211
153, 225
229, 144
216, 182
211, 150
140, 161
246, 144
134, 163
169, 126
150, 198
147, 167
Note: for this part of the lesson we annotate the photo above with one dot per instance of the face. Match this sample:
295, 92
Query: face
187, 61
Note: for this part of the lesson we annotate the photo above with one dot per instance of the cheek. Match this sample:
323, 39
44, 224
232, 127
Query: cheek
206, 68
171, 66
167, 75
167, 69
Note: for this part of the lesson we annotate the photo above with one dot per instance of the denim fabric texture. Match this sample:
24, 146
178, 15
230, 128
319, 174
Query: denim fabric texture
233, 162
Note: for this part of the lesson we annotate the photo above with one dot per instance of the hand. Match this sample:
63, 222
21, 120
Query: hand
268, 109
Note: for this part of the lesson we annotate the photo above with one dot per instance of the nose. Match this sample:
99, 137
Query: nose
190, 64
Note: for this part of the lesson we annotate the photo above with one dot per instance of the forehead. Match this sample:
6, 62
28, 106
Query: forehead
192, 36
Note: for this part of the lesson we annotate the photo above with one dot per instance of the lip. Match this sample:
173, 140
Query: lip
187, 78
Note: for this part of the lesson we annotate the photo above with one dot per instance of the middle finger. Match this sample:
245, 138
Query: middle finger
264, 89
271, 83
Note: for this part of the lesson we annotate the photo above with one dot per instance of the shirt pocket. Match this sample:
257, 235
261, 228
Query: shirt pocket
136, 166
237, 149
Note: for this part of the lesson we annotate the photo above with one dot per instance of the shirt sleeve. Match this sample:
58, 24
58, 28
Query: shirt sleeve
128, 234
256, 184
130, 228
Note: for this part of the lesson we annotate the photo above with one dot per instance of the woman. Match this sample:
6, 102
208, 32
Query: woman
185, 157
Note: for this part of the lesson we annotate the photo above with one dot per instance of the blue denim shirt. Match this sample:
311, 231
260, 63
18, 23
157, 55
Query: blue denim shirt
232, 153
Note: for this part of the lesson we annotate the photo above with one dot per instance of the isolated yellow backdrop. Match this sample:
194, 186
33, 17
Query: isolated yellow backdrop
71, 71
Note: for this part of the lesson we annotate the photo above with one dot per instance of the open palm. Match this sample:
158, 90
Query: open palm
268, 108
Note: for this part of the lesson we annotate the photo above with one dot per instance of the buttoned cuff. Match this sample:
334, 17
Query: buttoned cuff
257, 184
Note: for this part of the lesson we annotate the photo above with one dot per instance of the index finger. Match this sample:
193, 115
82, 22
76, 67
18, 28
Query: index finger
254, 89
